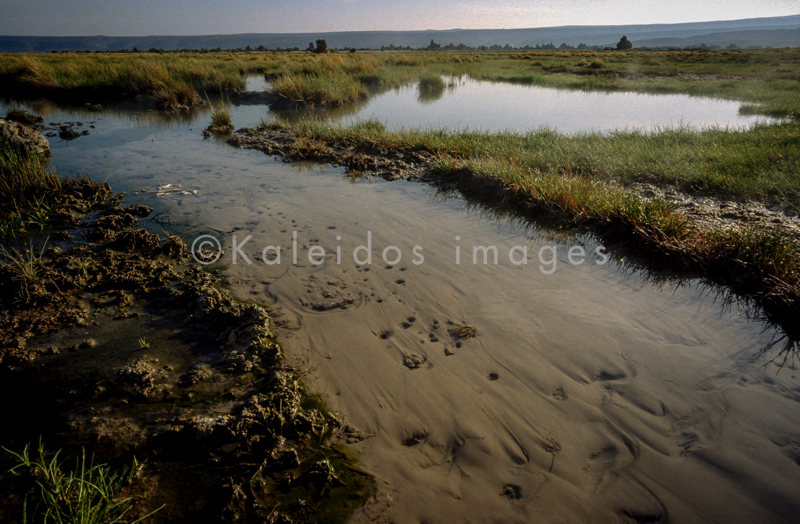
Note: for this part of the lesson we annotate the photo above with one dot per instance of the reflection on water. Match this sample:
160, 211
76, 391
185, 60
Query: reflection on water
493, 106
498, 106
462, 103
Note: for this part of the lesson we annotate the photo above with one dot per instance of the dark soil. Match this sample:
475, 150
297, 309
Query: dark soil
115, 343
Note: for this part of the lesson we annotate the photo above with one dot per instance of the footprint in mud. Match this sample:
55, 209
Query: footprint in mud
414, 361
432, 337
414, 439
512, 492
386, 334
448, 352
605, 465
606, 376
407, 324
559, 394
493, 376
400, 281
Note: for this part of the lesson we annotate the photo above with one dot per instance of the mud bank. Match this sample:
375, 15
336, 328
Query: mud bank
110, 340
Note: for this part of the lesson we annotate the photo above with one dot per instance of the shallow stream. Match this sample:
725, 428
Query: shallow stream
593, 392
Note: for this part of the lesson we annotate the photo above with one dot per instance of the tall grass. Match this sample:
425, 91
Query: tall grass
174, 80
23, 174
328, 88
766, 81
431, 83
25, 183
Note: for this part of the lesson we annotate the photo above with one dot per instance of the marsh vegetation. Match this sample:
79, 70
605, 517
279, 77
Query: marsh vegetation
766, 80
584, 182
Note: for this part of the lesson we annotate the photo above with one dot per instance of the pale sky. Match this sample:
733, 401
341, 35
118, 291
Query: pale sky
202, 17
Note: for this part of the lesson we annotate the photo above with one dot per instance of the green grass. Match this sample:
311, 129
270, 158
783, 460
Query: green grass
762, 162
174, 80
88, 493
431, 82
221, 116
25, 182
765, 81
324, 89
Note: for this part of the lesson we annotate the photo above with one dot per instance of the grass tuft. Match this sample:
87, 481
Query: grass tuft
25, 183
88, 493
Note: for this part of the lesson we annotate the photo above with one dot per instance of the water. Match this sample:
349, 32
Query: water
494, 106
649, 387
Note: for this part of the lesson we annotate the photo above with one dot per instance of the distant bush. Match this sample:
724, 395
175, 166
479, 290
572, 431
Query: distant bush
624, 44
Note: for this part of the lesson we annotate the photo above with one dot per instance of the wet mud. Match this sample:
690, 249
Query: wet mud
111, 340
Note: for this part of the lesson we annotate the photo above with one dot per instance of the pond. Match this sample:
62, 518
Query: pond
592, 390
496, 106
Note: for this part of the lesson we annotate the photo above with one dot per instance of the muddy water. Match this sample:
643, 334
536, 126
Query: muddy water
589, 394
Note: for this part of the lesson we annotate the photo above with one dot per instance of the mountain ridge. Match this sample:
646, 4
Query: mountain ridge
768, 31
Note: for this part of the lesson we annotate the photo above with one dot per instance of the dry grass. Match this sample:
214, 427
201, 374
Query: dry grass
463, 332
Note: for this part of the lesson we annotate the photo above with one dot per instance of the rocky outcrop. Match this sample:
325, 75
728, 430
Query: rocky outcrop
23, 137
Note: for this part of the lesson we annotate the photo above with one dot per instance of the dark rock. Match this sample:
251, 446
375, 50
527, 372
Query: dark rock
68, 134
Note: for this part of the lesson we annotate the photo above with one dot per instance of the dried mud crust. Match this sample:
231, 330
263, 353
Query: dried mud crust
726, 213
230, 410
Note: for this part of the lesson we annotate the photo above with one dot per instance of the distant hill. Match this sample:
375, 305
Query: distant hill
776, 32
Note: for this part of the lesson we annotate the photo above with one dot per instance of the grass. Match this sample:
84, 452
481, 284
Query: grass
174, 80
20, 115
88, 493
325, 89
23, 265
431, 82
765, 81
462, 332
221, 116
221, 121
762, 162
25, 182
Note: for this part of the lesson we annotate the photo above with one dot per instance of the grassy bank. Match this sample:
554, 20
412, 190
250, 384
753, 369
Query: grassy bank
173, 80
763, 162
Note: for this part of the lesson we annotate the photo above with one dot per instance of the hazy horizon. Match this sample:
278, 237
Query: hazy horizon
203, 17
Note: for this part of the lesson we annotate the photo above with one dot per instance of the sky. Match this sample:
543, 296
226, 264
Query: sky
200, 17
